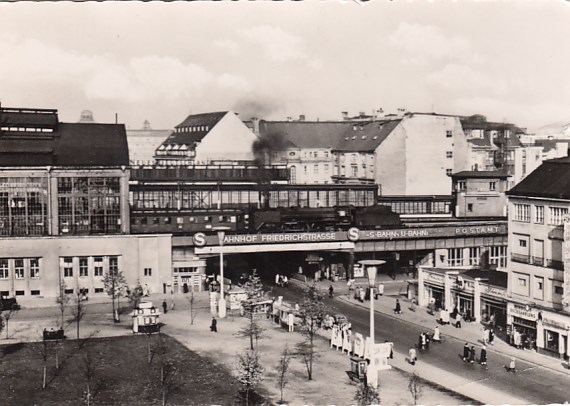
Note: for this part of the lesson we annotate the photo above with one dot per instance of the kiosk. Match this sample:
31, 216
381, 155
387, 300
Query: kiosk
145, 318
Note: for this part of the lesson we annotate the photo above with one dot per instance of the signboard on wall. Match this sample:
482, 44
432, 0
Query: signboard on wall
354, 235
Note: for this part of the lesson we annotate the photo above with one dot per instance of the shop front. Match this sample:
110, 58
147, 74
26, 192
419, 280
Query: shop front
463, 303
494, 305
553, 333
434, 285
522, 327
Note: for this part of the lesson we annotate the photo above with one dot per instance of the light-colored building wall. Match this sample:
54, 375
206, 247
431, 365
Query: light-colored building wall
528, 158
420, 154
134, 254
230, 139
307, 165
535, 250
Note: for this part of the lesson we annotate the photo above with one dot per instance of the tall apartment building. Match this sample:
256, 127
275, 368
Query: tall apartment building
539, 261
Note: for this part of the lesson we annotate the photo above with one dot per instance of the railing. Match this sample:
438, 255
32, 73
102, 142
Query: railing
550, 263
537, 261
524, 259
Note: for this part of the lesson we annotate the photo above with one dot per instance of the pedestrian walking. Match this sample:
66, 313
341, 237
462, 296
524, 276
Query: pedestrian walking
285, 281
362, 295
164, 306
492, 337
398, 308
458, 320
511, 367
214, 325
391, 349
381, 289
421, 341
465, 352
483, 356
412, 356
291, 322
472, 355
277, 279
486, 332
427, 340
436, 335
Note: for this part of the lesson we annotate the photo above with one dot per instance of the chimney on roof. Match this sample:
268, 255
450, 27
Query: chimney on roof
344, 115
146, 125
255, 122
302, 117
289, 119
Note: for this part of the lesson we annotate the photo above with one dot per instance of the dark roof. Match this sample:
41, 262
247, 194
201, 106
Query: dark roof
206, 120
35, 118
549, 180
481, 142
480, 174
90, 144
72, 145
336, 135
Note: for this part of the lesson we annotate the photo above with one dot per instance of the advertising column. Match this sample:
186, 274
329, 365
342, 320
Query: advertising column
477, 300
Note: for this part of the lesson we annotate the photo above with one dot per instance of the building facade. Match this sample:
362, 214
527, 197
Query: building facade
64, 207
479, 194
539, 284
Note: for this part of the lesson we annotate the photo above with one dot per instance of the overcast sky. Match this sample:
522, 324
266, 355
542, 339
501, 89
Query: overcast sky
161, 61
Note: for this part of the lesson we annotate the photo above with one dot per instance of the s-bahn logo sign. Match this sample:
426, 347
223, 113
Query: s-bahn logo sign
199, 239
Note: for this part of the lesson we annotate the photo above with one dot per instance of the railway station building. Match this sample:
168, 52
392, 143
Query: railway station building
64, 210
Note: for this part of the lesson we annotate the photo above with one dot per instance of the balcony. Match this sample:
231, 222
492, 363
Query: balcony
537, 261
523, 259
559, 265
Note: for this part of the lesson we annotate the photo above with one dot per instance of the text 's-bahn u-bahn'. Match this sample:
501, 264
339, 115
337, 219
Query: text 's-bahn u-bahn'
174, 201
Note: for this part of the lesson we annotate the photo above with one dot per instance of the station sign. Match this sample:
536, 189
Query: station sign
353, 235
434, 232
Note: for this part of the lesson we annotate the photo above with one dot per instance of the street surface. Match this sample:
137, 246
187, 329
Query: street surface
533, 382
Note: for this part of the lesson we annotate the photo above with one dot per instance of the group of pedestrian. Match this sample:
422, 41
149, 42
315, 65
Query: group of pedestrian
488, 336
470, 356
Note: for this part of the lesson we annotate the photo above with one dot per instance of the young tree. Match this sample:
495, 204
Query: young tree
168, 370
311, 314
254, 292
250, 373
115, 286
41, 348
416, 387
192, 301
88, 369
135, 296
62, 300
282, 369
78, 310
7, 314
366, 395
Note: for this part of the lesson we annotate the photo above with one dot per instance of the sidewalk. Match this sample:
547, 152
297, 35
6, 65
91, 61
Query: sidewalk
471, 333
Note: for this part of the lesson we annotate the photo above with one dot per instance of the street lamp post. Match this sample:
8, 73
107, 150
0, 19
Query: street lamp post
222, 302
371, 266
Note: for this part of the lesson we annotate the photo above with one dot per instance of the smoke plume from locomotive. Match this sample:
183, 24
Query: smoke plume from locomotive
266, 145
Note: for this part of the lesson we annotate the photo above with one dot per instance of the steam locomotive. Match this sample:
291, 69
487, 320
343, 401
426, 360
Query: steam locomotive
291, 219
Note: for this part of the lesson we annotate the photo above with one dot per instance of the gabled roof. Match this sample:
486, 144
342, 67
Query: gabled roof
549, 180
480, 174
344, 136
194, 128
365, 137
